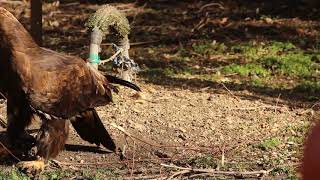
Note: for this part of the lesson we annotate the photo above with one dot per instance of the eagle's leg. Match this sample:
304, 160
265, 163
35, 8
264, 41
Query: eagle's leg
19, 117
51, 139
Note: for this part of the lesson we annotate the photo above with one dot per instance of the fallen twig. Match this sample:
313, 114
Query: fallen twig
230, 92
201, 24
9, 151
12, 2
112, 57
125, 162
311, 109
208, 5
2, 95
222, 155
60, 164
158, 145
70, 4
134, 148
143, 43
278, 98
258, 107
215, 172
158, 176
134, 43
315, 104
55, 163
211, 172
201, 174
179, 173
3, 124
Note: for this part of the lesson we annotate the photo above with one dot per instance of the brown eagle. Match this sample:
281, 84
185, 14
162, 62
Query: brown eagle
55, 87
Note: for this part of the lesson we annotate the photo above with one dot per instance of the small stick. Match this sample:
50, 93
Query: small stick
12, 2
112, 57
9, 151
255, 108
179, 173
212, 171
134, 148
70, 4
230, 92
315, 104
201, 174
159, 176
278, 98
125, 162
210, 4
56, 163
3, 124
135, 43
311, 108
222, 155
157, 145
4, 97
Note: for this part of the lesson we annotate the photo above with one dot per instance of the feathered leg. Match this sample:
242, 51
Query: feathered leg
51, 139
19, 117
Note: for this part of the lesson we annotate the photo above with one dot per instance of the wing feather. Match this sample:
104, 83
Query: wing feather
90, 128
63, 86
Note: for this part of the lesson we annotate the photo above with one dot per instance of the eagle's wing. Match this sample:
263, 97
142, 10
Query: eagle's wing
61, 85
88, 123
52, 84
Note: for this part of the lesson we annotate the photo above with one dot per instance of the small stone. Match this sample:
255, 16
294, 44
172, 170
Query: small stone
182, 129
210, 98
138, 95
151, 90
181, 136
268, 20
136, 110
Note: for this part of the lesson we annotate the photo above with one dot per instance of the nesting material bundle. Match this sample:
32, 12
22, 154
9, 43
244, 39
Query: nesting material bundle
105, 21
108, 17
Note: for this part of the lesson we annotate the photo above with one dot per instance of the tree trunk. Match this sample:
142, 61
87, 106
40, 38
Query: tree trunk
36, 21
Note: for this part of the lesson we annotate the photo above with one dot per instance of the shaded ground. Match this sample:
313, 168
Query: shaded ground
231, 120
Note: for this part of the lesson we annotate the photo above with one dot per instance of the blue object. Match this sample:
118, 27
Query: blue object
94, 58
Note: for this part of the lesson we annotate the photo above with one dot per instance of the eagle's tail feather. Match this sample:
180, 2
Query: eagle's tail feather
90, 128
116, 80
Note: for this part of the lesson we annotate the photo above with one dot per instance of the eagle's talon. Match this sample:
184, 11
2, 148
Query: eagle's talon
31, 167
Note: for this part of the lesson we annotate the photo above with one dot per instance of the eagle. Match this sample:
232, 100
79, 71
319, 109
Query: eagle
55, 87
310, 165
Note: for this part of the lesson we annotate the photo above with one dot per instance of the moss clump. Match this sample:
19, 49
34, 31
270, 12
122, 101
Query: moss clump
107, 18
246, 70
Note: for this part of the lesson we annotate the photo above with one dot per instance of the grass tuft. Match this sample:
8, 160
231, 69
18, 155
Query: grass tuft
269, 143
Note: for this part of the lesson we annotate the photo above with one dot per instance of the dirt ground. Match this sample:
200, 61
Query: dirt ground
208, 122
186, 122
